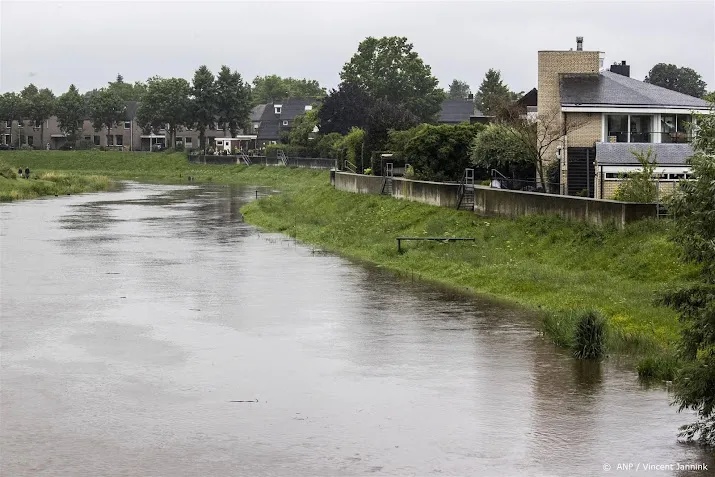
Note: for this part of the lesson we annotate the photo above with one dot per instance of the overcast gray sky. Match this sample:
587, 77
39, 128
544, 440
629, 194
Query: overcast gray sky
55, 43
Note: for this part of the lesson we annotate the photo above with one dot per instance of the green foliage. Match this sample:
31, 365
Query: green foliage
329, 145
388, 68
710, 97
290, 150
409, 172
203, 108
344, 108
71, 111
233, 100
85, 145
458, 90
693, 209
166, 101
367, 171
440, 152
498, 147
303, 129
590, 336
493, 94
273, 88
683, 80
658, 367
353, 145
128, 91
639, 186
39, 106
7, 171
106, 108
383, 117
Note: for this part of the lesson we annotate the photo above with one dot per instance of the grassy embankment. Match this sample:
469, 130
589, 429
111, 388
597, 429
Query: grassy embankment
538, 262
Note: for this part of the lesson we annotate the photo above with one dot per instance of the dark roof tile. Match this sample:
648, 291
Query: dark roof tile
621, 153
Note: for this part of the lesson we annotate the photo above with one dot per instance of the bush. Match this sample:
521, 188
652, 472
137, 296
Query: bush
639, 185
409, 172
289, 150
26, 147
590, 336
85, 145
7, 171
658, 368
367, 171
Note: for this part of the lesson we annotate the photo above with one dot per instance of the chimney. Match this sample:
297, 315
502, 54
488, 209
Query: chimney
579, 43
622, 69
470, 97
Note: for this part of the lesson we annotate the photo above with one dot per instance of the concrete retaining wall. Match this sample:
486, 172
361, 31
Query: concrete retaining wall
497, 202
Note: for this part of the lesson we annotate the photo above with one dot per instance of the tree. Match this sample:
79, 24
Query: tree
71, 111
128, 91
540, 135
710, 97
233, 100
106, 109
441, 153
639, 186
496, 147
328, 145
166, 101
459, 90
40, 106
344, 108
493, 94
304, 127
683, 80
273, 88
389, 69
693, 209
203, 107
383, 117
12, 108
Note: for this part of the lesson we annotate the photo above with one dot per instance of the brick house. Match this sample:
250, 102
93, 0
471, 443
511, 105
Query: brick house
607, 114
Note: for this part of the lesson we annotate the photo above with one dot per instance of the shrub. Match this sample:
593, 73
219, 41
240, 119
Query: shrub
85, 145
639, 185
367, 171
590, 336
26, 147
658, 368
7, 171
409, 172
289, 150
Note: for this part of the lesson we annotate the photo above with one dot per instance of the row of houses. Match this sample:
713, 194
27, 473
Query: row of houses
268, 122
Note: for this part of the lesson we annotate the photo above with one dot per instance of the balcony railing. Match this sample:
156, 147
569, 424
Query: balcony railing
648, 137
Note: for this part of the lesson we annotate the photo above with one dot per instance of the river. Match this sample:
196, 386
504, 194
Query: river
132, 320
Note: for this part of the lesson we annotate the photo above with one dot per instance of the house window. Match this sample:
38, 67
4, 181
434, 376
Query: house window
630, 128
278, 108
37, 124
8, 139
127, 124
96, 140
674, 128
187, 141
88, 138
30, 140
285, 122
308, 107
110, 140
219, 127
120, 140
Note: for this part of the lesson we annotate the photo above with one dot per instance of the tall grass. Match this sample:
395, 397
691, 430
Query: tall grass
590, 336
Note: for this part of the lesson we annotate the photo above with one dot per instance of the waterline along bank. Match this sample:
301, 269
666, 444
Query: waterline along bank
542, 263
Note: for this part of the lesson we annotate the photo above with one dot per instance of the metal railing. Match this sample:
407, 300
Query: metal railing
465, 183
649, 137
350, 166
282, 156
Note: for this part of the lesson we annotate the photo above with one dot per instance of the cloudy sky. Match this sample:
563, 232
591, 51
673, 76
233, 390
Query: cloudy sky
55, 43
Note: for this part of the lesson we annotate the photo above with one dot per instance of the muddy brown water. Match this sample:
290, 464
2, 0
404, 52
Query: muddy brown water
132, 320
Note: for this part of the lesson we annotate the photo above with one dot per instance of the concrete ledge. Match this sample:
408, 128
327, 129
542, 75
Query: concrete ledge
308, 162
498, 202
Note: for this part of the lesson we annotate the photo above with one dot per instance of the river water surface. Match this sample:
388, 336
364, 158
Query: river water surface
132, 320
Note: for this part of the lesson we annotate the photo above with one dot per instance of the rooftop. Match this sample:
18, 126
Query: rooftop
621, 153
612, 89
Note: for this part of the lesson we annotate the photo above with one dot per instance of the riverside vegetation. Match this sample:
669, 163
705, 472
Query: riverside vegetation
564, 270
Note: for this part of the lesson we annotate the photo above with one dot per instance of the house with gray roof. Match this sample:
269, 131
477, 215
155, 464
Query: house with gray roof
607, 116
278, 118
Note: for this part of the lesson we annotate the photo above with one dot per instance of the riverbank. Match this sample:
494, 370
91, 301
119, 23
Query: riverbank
46, 183
541, 263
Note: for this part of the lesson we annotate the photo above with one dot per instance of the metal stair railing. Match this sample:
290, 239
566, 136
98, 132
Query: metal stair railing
282, 157
466, 183
350, 166
241, 156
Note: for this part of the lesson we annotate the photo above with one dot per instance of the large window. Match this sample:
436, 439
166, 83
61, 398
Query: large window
617, 127
630, 128
675, 127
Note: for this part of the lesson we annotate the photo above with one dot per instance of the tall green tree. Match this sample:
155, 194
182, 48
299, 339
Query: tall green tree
344, 108
233, 100
166, 101
497, 147
12, 108
710, 97
128, 91
304, 127
203, 107
273, 88
71, 112
458, 90
693, 209
388, 68
381, 119
40, 106
681, 79
493, 94
106, 108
